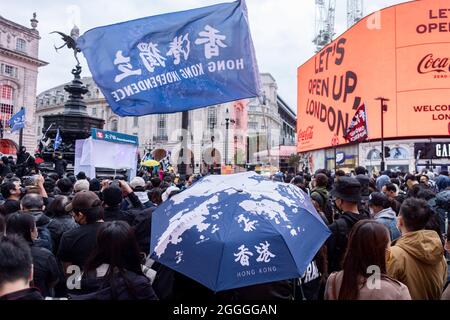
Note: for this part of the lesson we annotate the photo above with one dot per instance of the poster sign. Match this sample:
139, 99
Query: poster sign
435, 150
115, 137
401, 53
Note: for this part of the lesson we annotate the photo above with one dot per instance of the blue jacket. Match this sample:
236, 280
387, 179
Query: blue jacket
389, 219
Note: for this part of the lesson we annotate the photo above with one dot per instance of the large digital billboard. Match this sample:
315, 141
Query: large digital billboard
401, 53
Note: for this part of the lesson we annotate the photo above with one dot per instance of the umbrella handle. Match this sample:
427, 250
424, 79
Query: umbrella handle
301, 289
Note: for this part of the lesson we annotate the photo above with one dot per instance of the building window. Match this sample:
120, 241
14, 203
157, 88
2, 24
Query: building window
253, 125
6, 92
21, 45
6, 111
114, 125
7, 97
212, 118
94, 111
135, 121
9, 71
162, 126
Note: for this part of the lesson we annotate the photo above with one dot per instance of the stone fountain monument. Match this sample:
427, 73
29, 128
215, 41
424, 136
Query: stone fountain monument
74, 122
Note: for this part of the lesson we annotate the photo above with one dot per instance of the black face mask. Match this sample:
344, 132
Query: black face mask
336, 208
23, 191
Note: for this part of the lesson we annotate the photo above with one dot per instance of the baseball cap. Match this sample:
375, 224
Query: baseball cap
167, 193
83, 200
137, 182
81, 185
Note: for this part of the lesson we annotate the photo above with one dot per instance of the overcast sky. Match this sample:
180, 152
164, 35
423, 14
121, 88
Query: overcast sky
282, 30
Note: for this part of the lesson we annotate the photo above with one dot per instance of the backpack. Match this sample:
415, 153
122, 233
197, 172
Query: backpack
342, 233
327, 206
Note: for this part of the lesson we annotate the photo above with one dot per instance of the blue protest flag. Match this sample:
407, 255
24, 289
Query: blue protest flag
17, 121
58, 140
174, 62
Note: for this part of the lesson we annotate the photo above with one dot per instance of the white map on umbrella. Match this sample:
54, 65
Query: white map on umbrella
263, 200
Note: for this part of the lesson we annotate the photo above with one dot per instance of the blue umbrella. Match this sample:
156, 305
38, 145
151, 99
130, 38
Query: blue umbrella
237, 230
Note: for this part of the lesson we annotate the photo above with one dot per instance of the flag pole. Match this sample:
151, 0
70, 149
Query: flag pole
21, 135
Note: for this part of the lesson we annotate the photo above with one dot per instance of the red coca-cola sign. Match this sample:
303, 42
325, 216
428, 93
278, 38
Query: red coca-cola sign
307, 134
430, 63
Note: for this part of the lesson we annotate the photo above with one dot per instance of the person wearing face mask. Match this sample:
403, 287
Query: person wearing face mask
11, 192
25, 162
60, 164
346, 194
381, 211
46, 270
77, 244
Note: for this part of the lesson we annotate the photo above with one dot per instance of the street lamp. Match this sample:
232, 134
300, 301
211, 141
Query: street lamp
213, 156
235, 151
228, 120
383, 110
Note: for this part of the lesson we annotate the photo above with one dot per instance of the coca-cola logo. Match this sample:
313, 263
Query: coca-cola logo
430, 64
335, 140
306, 134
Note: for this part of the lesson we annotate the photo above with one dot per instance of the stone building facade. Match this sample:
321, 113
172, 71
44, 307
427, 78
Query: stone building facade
219, 135
19, 63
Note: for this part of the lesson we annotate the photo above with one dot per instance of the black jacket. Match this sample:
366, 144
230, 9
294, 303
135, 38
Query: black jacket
279, 290
142, 225
60, 166
11, 206
47, 272
337, 242
58, 226
42, 222
186, 289
115, 214
127, 286
5, 169
26, 294
24, 163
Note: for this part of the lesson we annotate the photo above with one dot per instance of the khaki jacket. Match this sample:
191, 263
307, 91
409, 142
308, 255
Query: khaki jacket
417, 260
388, 289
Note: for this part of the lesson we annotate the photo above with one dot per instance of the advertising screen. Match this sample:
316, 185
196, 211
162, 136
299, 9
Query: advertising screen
401, 53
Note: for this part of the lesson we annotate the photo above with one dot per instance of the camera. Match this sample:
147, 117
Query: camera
114, 183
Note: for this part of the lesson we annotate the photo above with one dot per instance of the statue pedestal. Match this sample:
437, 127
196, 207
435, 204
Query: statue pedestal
73, 124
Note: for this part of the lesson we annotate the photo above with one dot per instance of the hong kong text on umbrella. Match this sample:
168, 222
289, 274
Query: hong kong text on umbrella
174, 62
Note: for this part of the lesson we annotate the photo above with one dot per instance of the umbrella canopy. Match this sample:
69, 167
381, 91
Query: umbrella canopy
150, 163
237, 230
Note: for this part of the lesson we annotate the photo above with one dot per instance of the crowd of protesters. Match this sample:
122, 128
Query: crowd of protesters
71, 237
388, 234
